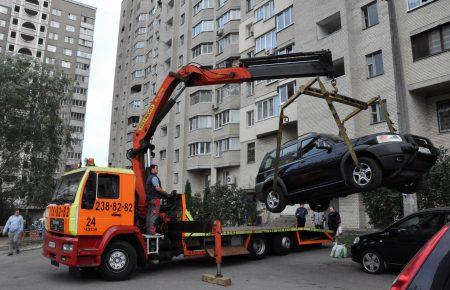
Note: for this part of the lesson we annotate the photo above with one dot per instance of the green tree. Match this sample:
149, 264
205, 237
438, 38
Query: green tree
188, 193
33, 134
383, 206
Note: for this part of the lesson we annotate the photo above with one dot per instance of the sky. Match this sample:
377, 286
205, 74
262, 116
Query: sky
101, 80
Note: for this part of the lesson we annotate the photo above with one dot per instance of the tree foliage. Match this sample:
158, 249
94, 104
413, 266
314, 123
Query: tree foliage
229, 204
384, 206
33, 134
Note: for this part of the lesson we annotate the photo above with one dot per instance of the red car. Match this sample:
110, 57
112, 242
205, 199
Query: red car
430, 267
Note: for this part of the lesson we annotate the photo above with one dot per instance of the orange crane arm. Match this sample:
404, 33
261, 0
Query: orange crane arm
310, 64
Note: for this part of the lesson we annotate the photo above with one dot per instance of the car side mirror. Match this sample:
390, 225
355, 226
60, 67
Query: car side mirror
323, 145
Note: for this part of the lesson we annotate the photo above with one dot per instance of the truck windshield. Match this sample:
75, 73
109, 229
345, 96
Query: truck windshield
66, 188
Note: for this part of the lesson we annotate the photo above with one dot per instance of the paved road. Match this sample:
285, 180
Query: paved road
304, 269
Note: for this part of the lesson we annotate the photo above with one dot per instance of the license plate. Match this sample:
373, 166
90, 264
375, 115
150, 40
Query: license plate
424, 150
54, 263
51, 244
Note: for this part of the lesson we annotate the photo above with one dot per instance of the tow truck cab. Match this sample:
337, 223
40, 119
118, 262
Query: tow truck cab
90, 207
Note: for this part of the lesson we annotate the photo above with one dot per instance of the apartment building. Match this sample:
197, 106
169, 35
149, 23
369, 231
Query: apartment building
199, 139
59, 33
395, 49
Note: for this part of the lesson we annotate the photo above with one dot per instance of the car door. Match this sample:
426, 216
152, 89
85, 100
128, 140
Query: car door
406, 238
288, 166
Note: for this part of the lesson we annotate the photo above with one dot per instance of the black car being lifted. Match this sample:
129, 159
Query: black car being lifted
318, 167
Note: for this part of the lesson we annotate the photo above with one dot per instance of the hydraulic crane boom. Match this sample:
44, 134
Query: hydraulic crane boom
310, 64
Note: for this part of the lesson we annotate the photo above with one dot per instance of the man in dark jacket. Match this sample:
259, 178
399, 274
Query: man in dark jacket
300, 214
154, 192
334, 220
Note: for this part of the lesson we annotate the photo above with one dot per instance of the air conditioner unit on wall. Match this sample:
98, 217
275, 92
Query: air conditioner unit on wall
215, 107
219, 31
230, 180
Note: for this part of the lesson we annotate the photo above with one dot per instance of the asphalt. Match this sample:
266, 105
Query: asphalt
310, 268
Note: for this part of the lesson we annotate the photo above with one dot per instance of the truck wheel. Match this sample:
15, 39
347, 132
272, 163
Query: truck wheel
118, 261
281, 244
367, 177
275, 201
319, 205
258, 248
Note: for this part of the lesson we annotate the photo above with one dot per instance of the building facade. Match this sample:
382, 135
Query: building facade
58, 33
398, 50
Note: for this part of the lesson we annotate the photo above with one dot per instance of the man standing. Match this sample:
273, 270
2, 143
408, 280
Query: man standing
14, 228
318, 218
154, 192
334, 220
300, 214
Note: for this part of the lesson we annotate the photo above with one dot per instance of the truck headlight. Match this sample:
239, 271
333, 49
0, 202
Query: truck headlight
389, 138
356, 240
67, 247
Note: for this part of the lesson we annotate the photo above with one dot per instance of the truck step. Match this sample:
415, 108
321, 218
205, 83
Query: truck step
229, 251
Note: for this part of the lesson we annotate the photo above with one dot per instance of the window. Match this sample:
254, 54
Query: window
67, 52
370, 15
133, 120
309, 147
226, 117
268, 108
266, 41
141, 17
178, 107
431, 42
234, 14
222, 2
177, 131
2, 36
177, 155
3, 9
265, 12
85, 42
228, 144
2, 23
443, 111
86, 31
204, 4
108, 186
377, 113
51, 48
182, 19
139, 44
68, 39
181, 40
163, 131
49, 60
140, 31
82, 66
421, 224
200, 122
250, 5
285, 91
80, 91
284, 19
250, 118
203, 96
53, 36
251, 152
231, 38
83, 54
329, 25
250, 88
175, 178
79, 103
134, 105
137, 74
203, 48
56, 12
77, 116
412, 4
227, 91
199, 148
72, 16
138, 59
54, 24
288, 154
206, 25
374, 64
162, 154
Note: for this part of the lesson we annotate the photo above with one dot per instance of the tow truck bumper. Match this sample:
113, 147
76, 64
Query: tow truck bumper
53, 250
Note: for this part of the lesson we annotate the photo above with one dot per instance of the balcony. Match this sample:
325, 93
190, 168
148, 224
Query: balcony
228, 159
199, 162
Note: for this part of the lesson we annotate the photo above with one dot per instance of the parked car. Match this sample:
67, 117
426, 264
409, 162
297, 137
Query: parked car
318, 167
398, 243
430, 267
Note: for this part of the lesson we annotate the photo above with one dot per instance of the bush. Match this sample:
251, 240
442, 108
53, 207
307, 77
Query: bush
383, 206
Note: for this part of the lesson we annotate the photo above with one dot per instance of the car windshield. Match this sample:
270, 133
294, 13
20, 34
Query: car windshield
66, 188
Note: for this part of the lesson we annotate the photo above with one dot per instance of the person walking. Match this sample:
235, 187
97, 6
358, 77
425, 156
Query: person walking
154, 192
14, 229
318, 218
300, 214
334, 220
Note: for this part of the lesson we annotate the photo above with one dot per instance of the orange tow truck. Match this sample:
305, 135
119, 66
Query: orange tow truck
97, 217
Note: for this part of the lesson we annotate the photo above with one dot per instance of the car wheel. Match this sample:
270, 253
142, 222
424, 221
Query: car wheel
281, 244
258, 248
319, 205
118, 261
366, 177
372, 262
275, 201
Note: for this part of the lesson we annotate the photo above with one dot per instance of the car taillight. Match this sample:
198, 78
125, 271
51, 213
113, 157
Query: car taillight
405, 278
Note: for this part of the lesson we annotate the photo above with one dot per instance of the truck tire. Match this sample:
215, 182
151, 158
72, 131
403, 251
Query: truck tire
366, 178
275, 202
282, 244
258, 248
118, 261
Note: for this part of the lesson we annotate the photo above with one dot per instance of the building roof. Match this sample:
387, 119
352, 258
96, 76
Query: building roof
81, 4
